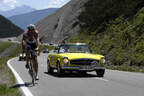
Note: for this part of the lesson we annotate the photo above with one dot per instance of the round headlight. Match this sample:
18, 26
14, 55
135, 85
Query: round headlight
65, 60
103, 60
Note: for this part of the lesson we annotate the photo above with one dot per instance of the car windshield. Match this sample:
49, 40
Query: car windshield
74, 49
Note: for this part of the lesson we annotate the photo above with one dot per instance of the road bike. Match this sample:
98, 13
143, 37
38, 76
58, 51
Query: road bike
31, 66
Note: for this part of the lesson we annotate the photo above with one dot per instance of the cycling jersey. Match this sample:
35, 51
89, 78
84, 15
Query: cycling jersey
31, 40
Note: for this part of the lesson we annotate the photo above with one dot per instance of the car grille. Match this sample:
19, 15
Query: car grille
84, 61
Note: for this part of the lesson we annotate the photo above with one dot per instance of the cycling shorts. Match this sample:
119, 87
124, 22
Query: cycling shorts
31, 46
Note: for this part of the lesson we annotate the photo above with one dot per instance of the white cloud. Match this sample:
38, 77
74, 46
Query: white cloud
56, 3
10, 3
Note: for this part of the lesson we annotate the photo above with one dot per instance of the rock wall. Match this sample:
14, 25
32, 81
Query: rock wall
62, 24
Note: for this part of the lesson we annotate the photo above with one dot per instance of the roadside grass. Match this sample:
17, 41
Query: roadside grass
126, 68
7, 79
6, 91
4, 45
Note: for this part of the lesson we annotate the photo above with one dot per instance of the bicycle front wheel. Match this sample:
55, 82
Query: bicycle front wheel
32, 72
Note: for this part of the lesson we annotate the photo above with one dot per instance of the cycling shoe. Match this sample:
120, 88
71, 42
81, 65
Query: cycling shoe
27, 66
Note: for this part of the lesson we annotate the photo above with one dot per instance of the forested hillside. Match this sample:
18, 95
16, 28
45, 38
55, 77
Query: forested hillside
8, 29
114, 28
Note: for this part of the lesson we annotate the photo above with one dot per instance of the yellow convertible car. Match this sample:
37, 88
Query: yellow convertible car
75, 57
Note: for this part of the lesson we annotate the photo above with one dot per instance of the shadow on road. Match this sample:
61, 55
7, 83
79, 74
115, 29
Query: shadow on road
71, 75
26, 84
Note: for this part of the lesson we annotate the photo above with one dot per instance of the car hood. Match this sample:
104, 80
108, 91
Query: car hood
81, 55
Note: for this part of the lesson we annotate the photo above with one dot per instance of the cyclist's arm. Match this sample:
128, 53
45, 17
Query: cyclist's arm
38, 42
23, 43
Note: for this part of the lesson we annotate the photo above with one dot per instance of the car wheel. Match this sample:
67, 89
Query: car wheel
59, 70
100, 72
49, 69
19, 59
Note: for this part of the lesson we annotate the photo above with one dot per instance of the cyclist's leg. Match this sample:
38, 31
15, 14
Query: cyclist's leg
27, 47
35, 60
36, 64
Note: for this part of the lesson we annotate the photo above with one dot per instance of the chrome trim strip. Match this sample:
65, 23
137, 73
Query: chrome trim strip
70, 67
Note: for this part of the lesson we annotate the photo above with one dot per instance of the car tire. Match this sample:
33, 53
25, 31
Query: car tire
100, 72
49, 69
19, 59
59, 70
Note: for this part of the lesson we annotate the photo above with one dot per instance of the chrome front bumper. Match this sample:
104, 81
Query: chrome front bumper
82, 68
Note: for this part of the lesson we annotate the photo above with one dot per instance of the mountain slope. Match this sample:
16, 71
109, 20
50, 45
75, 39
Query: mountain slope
8, 29
61, 24
30, 18
16, 11
114, 29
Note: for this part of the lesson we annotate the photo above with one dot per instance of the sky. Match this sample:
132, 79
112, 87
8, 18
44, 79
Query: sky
37, 4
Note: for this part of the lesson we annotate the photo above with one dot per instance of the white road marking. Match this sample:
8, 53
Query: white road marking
25, 90
102, 79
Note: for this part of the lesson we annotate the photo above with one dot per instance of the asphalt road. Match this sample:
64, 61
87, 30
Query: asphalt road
8, 39
114, 83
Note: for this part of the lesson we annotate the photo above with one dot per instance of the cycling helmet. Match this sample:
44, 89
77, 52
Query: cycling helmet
31, 27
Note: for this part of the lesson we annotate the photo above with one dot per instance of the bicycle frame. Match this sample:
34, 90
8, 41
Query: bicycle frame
31, 67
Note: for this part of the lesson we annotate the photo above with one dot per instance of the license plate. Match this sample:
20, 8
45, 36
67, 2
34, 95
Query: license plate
86, 67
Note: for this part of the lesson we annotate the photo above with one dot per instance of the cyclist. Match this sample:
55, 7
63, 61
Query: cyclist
30, 40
